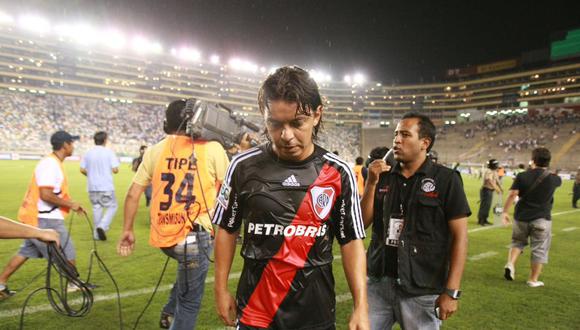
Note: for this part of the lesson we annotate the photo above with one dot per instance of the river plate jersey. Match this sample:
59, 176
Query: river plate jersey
290, 213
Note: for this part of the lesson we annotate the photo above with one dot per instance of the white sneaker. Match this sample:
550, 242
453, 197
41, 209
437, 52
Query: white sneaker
509, 272
535, 284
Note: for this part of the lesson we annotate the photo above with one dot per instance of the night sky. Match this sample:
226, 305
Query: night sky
392, 42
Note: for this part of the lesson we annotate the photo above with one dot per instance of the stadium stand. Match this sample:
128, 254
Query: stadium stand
47, 83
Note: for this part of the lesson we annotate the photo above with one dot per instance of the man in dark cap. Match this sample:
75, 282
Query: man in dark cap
490, 184
45, 206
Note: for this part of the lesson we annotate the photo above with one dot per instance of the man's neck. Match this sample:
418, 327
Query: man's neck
408, 169
59, 154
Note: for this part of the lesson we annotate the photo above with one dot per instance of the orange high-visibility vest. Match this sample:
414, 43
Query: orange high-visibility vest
182, 190
28, 211
360, 182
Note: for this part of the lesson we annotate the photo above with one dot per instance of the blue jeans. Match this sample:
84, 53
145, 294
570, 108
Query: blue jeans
193, 259
387, 305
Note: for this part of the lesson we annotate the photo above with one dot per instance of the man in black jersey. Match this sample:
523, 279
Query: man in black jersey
293, 198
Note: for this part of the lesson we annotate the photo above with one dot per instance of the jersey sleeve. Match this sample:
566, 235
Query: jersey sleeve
346, 213
228, 212
456, 205
46, 173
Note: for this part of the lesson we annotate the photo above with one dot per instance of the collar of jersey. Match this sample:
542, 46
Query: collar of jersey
289, 162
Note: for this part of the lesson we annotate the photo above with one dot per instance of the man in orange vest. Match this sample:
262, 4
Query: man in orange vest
45, 205
185, 174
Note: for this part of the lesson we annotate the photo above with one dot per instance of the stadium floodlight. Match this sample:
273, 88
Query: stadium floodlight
347, 79
143, 46
6, 19
359, 78
34, 23
214, 59
319, 76
64, 31
114, 39
189, 54
85, 34
242, 65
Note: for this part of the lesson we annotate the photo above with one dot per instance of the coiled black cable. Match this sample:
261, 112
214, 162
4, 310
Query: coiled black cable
68, 274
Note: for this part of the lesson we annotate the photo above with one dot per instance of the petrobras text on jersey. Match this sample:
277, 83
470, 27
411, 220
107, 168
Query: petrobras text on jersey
288, 231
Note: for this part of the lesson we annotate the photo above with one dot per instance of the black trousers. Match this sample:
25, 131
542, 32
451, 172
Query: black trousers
575, 195
485, 198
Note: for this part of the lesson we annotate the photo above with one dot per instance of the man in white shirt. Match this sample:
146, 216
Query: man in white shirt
99, 164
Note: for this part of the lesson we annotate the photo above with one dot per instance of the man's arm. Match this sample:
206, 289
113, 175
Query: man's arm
367, 202
505, 218
47, 195
225, 247
458, 230
355, 270
12, 229
126, 244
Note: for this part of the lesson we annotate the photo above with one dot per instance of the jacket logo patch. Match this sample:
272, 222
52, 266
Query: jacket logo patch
428, 185
322, 198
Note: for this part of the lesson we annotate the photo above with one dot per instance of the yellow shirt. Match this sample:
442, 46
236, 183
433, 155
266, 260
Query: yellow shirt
217, 162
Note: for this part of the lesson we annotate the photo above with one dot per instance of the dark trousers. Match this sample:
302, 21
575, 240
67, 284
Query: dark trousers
576, 195
485, 197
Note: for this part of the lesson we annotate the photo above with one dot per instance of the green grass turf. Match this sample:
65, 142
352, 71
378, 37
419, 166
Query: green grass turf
489, 301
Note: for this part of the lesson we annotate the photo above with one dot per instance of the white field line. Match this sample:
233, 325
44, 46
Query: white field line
46, 307
339, 298
569, 228
482, 256
499, 224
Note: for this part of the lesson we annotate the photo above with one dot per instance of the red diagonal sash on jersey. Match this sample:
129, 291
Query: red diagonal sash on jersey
279, 273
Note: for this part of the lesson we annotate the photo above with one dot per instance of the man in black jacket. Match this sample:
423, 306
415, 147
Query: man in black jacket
419, 238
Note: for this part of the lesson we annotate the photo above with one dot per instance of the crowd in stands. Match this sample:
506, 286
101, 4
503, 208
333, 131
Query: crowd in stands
27, 121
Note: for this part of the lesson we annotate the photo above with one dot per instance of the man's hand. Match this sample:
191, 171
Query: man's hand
48, 235
359, 320
78, 208
505, 218
377, 167
226, 307
126, 244
447, 306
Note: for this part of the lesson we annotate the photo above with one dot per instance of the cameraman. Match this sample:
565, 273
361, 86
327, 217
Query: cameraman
184, 173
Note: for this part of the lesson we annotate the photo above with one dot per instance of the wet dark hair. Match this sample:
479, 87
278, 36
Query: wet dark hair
100, 138
359, 160
541, 157
426, 127
291, 84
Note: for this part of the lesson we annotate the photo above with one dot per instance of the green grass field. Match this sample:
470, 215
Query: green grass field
489, 301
